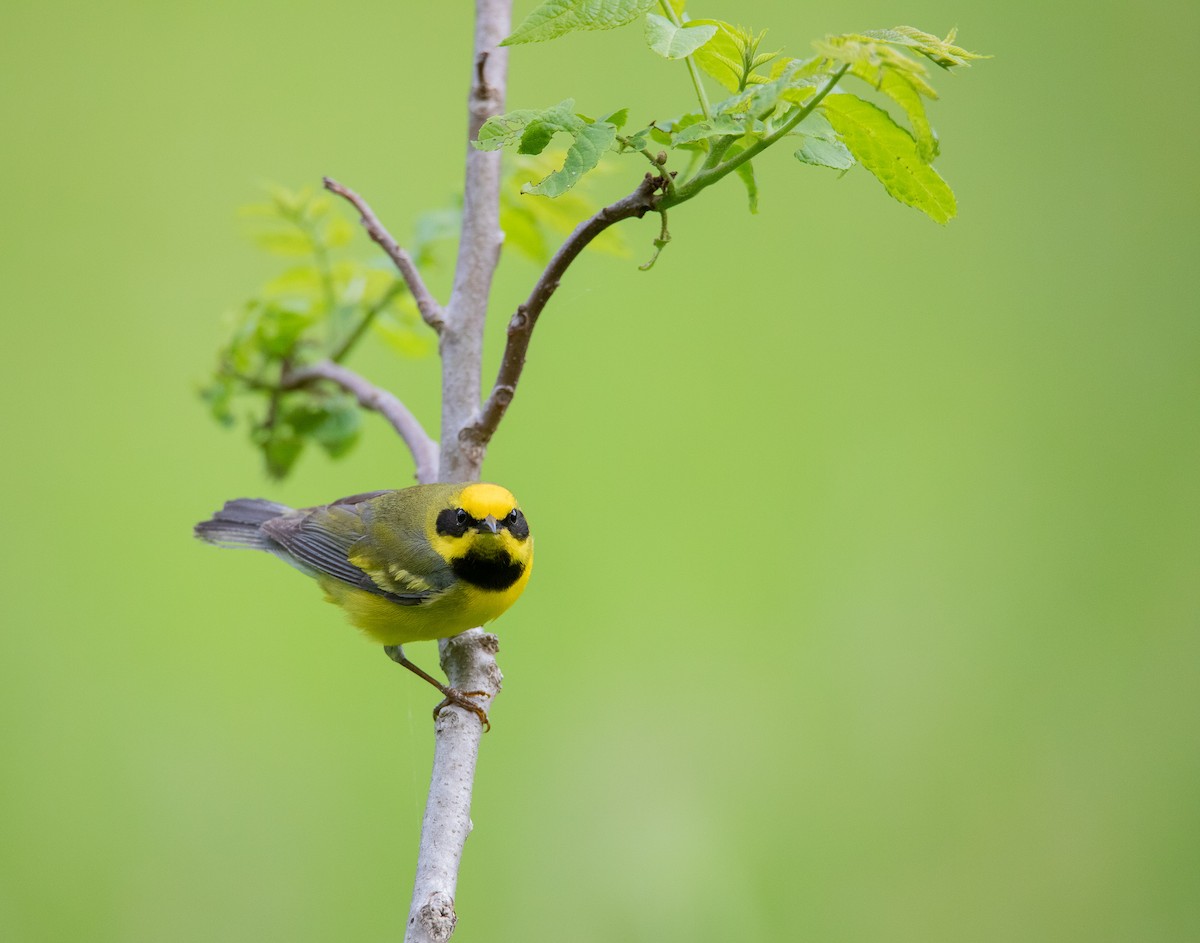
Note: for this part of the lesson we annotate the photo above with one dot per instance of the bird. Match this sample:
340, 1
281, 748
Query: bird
407, 565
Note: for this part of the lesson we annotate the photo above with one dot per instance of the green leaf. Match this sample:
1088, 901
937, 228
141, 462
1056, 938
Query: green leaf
760, 101
665, 132
731, 56
338, 233
821, 146
676, 42
434, 229
289, 243
301, 281
636, 141
333, 423
404, 338
533, 130
745, 173
941, 52
585, 152
521, 230
280, 326
889, 152
719, 126
501, 130
339, 428
280, 453
218, 395
901, 89
721, 56
556, 18
618, 118
822, 153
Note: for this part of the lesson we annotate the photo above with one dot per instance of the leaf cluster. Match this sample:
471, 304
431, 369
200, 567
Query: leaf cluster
320, 304
769, 97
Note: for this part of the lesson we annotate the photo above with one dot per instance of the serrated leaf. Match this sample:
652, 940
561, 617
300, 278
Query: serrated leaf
676, 42
760, 100
501, 130
889, 152
556, 18
941, 52
721, 56
900, 89
533, 130
719, 126
591, 141
823, 153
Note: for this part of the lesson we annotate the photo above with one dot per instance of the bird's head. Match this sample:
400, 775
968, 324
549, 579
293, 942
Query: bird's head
484, 536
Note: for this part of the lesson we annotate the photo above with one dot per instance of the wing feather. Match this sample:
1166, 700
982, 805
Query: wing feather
327, 540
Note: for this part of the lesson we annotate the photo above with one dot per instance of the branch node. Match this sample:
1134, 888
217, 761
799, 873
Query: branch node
482, 85
437, 917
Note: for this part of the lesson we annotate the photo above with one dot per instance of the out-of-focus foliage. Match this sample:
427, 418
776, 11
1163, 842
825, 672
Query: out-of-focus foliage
334, 289
318, 306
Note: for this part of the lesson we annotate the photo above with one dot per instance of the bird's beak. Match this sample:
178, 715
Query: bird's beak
490, 523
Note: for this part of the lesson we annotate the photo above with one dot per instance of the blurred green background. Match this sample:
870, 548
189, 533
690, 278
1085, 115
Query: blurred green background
867, 591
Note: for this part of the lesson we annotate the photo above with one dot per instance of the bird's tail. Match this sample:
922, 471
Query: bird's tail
238, 523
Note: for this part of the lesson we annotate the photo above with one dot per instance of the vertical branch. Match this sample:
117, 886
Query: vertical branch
469, 659
478, 249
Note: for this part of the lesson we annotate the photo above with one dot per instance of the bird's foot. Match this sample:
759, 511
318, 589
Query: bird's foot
462, 699
450, 695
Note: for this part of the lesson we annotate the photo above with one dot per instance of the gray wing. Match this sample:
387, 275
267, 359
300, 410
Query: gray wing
319, 540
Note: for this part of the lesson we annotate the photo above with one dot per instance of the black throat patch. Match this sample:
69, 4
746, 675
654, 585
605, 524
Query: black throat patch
495, 572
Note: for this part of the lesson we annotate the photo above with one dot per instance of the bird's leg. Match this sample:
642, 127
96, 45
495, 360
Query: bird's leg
450, 695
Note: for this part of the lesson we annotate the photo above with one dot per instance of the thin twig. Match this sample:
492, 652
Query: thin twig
520, 328
424, 450
430, 310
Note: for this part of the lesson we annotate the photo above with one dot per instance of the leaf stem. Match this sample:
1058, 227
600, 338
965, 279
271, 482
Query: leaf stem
691, 63
706, 176
659, 165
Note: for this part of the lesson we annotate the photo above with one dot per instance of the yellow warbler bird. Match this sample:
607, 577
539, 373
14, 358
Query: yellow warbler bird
424, 562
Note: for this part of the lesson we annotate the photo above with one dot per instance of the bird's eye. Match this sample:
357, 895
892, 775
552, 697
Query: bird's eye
513, 516
462, 516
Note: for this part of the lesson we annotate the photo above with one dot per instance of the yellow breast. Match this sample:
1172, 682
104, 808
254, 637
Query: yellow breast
457, 609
